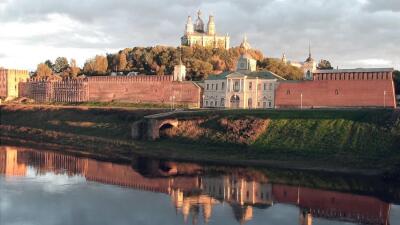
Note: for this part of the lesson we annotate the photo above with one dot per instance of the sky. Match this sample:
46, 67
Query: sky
348, 33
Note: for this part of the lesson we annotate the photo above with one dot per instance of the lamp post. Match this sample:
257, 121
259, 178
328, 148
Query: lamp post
301, 100
384, 99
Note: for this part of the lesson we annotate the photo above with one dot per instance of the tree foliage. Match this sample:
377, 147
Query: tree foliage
324, 65
73, 70
122, 62
43, 71
160, 60
280, 68
60, 65
96, 66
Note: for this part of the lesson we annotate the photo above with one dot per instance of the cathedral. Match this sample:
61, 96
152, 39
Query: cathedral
197, 34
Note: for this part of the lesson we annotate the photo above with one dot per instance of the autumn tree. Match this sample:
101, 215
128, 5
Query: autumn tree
122, 62
280, 68
96, 66
60, 64
43, 71
74, 69
49, 63
324, 65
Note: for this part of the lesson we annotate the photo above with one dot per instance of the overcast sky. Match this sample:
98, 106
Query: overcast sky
349, 33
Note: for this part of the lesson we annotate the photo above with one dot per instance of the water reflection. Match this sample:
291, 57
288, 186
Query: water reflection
195, 193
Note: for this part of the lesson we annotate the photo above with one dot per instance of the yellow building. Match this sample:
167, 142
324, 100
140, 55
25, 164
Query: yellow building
9, 80
196, 34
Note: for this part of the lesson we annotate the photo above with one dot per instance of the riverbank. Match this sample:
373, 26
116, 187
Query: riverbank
281, 139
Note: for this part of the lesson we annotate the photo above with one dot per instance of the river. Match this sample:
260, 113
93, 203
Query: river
39, 187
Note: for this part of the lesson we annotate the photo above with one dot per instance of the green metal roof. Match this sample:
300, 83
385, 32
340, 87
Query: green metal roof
221, 76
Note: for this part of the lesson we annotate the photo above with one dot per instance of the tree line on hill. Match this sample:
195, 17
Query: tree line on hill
160, 60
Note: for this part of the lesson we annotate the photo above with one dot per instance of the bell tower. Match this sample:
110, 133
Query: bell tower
211, 26
189, 26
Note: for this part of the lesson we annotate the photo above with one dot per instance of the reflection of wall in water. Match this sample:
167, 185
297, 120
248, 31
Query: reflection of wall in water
195, 196
9, 165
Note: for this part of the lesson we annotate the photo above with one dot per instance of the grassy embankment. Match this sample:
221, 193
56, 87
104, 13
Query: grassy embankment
341, 140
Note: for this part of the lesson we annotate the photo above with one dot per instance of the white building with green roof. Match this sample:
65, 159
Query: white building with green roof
246, 88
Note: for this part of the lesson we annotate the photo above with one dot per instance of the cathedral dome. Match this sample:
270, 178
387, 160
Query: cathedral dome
199, 26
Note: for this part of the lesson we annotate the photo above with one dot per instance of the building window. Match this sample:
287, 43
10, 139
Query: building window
222, 102
250, 85
264, 104
206, 103
270, 104
223, 85
288, 92
258, 104
236, 87
270, 86
216, 87
265, 86
216, 102
336, 92
208, 86
211, 103
212, 86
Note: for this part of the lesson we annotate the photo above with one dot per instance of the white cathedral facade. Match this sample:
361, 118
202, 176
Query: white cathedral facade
198, 34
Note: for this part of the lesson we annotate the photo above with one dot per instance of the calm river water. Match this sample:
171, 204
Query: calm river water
47, 188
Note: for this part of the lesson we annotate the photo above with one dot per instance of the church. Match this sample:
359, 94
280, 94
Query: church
309, 66
197, 34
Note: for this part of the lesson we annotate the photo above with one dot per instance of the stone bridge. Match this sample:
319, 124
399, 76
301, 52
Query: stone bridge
149, 127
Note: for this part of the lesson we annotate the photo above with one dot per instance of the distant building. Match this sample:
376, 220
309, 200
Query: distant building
308, 66
196, 34
9, 81
245, 44
245, 88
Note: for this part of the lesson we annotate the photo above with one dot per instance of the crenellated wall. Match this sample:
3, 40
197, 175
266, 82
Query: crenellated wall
135, 89
144, 89
339, 88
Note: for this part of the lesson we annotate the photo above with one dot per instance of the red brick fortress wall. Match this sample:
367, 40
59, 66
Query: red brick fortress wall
74, 90
143, 89
344, 89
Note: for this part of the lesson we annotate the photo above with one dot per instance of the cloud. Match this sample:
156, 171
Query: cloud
383, 5
342, 31
372, 62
